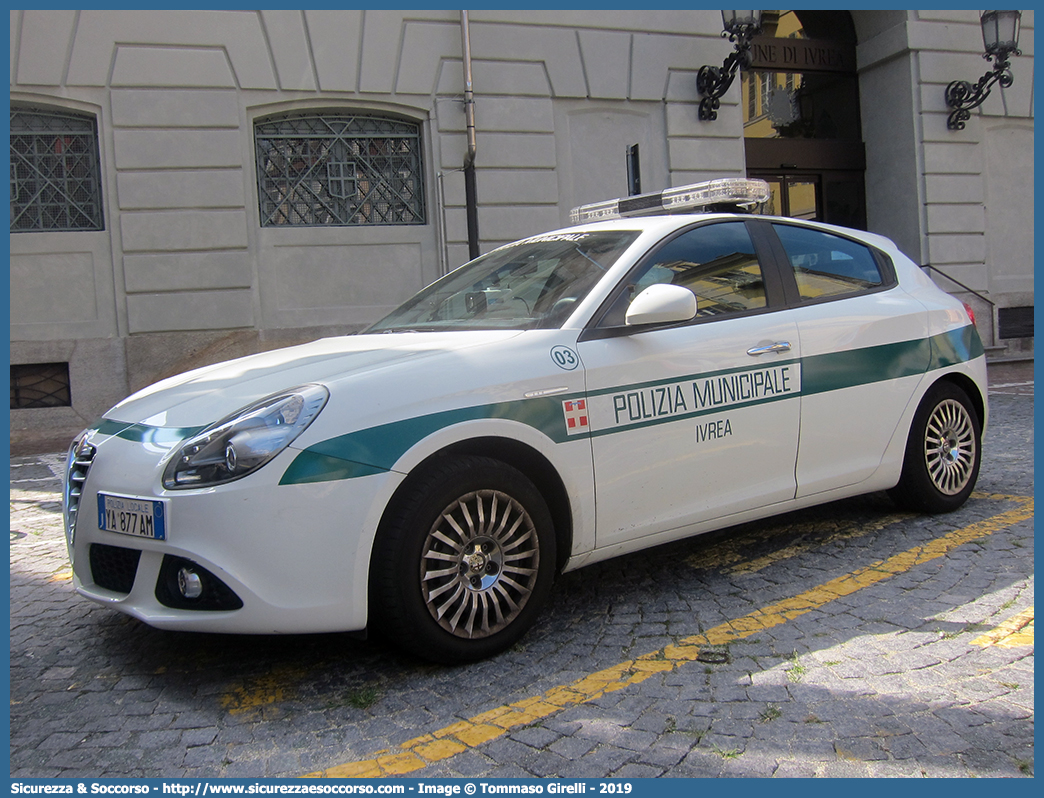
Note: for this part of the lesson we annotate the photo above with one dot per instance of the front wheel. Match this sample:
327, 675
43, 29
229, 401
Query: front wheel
943, 453
464, 563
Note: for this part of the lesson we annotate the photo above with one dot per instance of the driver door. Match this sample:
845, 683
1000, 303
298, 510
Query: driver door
699, 420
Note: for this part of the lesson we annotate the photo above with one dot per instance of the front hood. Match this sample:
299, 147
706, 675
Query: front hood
206, 395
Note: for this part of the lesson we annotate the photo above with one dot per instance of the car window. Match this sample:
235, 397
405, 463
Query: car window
827, 265
531, 284
717, 262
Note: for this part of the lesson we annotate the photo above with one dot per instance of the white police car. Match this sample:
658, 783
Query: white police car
561, 400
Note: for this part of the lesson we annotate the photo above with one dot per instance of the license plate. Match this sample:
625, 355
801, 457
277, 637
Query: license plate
143, 518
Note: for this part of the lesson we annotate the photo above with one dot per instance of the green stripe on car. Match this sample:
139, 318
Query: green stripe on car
377, 449
144, 433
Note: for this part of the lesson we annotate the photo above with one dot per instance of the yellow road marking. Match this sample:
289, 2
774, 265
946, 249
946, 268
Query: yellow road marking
62, 576
262, 690
732, 555
853, 529
451, 740
1014, 632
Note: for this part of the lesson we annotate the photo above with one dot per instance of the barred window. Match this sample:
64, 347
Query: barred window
55, 172
339, 169
36, 385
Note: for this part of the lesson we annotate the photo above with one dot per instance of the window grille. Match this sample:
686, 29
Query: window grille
337, 169
55, 172
37, 385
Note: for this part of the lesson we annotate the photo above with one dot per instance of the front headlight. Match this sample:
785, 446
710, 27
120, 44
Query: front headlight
243, 442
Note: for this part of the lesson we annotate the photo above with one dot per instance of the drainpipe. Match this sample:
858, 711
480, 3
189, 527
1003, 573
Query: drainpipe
470, 196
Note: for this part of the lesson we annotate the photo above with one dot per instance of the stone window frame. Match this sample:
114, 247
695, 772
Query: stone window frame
56, 180
339, 168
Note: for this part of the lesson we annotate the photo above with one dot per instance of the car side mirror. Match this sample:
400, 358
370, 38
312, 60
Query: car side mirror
661, 304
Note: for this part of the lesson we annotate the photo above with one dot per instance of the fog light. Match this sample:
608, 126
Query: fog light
189, 583
185, 585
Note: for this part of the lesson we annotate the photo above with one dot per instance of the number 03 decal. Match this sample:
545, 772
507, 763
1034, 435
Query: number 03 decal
565, 358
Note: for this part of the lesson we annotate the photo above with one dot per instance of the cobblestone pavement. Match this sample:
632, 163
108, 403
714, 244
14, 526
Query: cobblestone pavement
847, 640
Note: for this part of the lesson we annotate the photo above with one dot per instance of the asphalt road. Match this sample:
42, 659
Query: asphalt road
847, 640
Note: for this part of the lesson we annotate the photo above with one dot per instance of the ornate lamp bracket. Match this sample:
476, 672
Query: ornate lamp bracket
1000, 39
961, 96
712, 82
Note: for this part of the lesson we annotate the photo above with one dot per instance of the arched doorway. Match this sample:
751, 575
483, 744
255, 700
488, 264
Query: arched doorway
801, 125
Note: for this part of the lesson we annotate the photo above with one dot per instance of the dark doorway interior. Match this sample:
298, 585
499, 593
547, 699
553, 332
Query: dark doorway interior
801, 122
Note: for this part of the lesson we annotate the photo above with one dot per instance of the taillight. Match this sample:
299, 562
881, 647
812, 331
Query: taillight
971, 313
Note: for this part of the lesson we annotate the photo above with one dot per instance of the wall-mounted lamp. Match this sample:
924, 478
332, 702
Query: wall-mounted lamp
1000, 36
711, 81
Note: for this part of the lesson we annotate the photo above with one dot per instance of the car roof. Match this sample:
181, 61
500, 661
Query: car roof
667, 222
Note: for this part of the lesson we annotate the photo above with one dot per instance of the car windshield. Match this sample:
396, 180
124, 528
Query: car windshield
531, 284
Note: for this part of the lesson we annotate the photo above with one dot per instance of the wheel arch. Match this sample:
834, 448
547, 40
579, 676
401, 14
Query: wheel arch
942, 455
530, 462
971, 389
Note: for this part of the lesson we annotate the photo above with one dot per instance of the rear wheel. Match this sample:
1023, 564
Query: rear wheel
465, 562
943, 452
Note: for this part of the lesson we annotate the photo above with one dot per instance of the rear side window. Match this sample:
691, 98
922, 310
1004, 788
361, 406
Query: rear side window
827, 265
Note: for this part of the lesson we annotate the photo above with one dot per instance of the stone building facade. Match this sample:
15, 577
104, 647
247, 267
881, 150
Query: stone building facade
191, 249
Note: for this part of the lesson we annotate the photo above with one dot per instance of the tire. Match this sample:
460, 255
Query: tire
943, 452
464, 563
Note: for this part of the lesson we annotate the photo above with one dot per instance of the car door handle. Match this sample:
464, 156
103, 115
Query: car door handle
779, 346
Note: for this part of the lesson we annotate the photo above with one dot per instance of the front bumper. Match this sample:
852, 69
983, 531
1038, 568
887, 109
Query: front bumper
271, 558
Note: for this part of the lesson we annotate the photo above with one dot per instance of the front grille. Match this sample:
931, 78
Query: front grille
81, 455
113, 567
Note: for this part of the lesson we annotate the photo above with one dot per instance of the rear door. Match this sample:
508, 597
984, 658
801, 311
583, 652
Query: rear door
864, 350
699, 420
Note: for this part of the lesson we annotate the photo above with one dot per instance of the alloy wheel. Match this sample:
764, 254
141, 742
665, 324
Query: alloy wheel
479, 564
950, 447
